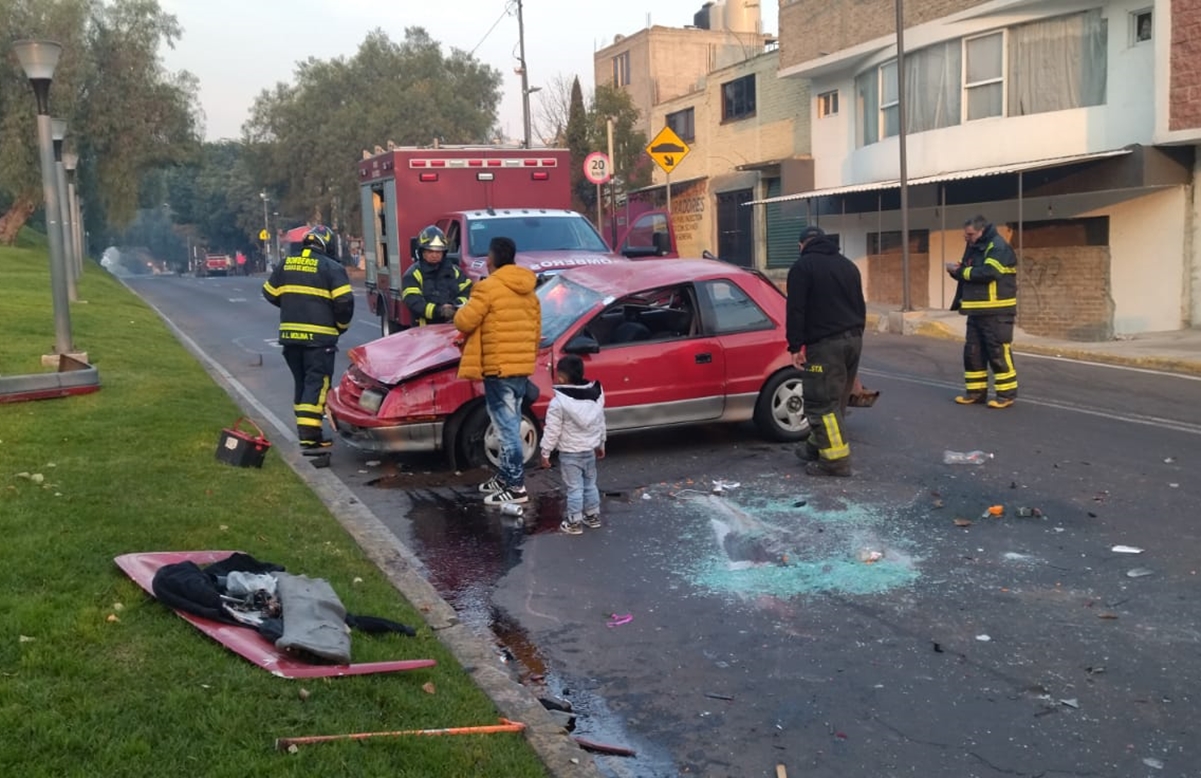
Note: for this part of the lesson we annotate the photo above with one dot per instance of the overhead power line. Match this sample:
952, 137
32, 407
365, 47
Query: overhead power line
508, 10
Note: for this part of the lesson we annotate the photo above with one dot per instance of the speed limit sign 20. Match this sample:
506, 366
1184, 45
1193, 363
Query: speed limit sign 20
596, 168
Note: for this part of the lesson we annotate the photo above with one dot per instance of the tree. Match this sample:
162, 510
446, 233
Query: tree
576, 136
554, 110
305, 138
631, 166
126, 115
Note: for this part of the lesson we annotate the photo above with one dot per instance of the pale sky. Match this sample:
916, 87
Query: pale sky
239, 47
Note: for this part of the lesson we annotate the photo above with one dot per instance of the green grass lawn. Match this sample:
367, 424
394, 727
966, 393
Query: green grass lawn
98, 679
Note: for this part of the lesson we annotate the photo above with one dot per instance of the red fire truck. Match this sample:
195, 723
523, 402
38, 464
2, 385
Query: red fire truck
474, 194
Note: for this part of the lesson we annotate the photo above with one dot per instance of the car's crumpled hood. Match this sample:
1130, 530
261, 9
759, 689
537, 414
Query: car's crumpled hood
394, 358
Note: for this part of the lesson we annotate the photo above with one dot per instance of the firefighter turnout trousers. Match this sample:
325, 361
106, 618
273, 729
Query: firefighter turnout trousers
989, 346
831, 365
312, 368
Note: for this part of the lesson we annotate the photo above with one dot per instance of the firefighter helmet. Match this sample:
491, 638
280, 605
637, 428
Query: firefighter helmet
319, 237
432, 239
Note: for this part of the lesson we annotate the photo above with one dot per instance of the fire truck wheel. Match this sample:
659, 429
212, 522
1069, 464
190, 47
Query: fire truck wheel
386, 325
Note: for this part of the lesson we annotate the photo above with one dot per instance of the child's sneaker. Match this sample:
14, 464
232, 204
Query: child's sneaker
513, 494
592, 520
492, 486
569, 527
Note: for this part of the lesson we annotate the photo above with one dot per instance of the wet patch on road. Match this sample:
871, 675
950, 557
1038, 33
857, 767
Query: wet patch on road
790, 547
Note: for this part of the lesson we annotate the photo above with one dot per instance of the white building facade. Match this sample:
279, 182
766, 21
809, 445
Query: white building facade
1043, 116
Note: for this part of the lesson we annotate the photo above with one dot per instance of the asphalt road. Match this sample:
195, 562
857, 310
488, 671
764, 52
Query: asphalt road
1018, 645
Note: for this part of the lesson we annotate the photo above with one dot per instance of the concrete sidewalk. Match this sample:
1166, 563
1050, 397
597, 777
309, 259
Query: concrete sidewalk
1177, 351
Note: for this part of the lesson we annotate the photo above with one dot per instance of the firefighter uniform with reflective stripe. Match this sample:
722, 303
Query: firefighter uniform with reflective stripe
826, 314
987, 295
316, 305
427, 287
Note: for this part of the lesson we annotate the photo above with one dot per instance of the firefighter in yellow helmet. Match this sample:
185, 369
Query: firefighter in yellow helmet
316, 305
435, 287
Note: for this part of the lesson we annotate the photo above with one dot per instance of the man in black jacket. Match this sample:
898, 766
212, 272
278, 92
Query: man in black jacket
987, 294
316, 305
826, 316
435, 287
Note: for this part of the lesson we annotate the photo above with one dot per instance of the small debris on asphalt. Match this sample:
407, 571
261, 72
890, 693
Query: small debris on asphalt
983, 638
995, 511
1092, 515
1139, 572
1095, 670
1153, 763
965, 458
1169, 460
721, 487
616, 621
1173, 486
1101, 496
1030, 513
646, 496
939, 504
1126, 550
372, 463
870, 556
713, 696
800, 503
937, 647
1072, 703
963, 522
1013, 484
1109, 616
603, 748
554, 703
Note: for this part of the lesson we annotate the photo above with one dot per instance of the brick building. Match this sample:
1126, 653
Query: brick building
1071, 124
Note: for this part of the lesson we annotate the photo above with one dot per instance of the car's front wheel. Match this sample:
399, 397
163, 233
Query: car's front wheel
479, 441
780, 409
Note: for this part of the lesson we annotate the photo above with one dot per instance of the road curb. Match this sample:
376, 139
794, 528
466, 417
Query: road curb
558, 752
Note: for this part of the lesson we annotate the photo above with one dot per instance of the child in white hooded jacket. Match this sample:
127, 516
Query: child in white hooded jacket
575, 425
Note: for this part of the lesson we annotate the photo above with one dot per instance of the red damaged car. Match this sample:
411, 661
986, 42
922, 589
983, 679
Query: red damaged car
672, 342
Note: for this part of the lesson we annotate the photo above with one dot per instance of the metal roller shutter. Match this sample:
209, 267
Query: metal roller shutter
781, 231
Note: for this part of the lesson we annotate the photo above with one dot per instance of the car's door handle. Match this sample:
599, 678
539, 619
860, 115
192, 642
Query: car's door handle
704, 359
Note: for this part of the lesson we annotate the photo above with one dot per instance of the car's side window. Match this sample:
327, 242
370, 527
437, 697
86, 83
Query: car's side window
453, 232
656, 315
728, 309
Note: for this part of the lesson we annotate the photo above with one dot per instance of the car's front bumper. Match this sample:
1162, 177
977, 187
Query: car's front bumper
362, 431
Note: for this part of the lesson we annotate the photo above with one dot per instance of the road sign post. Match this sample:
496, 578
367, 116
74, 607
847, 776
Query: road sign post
598, 170
668, 151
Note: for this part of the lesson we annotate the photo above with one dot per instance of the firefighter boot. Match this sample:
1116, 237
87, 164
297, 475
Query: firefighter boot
838, 468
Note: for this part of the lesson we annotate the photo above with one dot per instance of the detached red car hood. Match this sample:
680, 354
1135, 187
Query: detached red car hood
406, 354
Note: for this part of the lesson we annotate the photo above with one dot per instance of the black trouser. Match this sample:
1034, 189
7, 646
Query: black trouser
312, 368
988, 346
831, 365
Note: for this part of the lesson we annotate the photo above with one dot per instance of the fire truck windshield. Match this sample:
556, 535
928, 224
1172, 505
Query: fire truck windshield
536, 233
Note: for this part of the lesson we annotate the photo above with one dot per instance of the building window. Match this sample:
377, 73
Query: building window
683, 123
890, 242
932, 87
984, 76
1140, 26
827, 104
621, 69
890, 105
738, 98
1057, 64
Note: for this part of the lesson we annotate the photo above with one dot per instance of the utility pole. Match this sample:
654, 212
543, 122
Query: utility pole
612, 187
906, 303
266, 231
525, 76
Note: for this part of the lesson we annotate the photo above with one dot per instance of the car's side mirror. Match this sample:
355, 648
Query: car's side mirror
582, 344
662, 241
413, 249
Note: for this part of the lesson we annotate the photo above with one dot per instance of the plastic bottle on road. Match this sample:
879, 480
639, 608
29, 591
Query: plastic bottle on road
970, 458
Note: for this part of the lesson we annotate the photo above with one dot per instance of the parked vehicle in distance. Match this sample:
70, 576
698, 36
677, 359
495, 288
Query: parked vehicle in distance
474, 194
216, 265
673, 342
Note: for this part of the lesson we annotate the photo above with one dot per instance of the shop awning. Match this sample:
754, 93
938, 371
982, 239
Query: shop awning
959, 175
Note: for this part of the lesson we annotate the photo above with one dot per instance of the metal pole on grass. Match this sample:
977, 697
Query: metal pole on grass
38, 59
58, 134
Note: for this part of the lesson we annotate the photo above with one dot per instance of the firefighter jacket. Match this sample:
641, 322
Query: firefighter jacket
315, 301
426, 288
503, 325
987, 276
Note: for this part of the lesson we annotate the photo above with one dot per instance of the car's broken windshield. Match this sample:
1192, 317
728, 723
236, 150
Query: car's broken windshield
563, 302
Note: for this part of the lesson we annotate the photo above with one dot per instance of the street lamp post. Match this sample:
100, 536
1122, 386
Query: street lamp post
266, 230
71, 162
278, 256
525, 76
58, 134
902, 118
38, 60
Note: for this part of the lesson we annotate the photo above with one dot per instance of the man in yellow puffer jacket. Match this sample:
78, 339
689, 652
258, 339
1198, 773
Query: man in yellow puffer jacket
503, 324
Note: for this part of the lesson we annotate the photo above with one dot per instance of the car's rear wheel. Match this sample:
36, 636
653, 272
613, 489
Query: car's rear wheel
479, 441
780, 409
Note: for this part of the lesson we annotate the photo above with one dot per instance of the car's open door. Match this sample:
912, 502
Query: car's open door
651, 235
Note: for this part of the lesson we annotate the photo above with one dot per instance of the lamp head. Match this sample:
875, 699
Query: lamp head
38, 58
